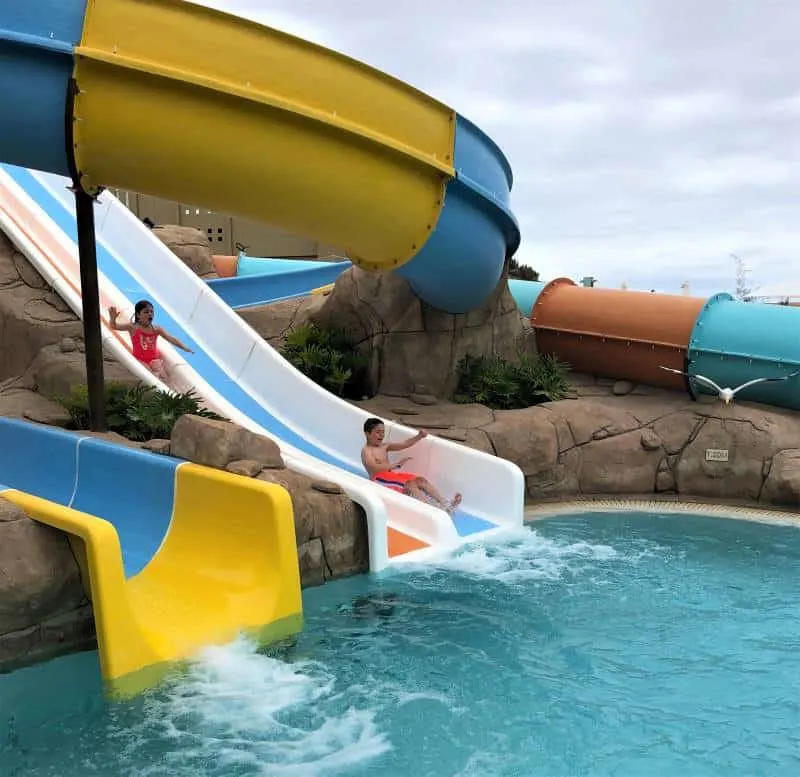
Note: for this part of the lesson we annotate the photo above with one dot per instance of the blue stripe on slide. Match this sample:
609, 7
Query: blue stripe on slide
38, 460
132, 489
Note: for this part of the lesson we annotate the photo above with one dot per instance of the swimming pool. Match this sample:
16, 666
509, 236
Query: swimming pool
612, 644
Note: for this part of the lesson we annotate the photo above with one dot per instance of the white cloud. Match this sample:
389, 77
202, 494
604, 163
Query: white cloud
690, 108
715, 176
602, 75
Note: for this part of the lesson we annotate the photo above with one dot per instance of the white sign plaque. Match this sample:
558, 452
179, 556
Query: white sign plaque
716, 454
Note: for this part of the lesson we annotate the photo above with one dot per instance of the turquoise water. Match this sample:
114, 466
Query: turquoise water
606, 645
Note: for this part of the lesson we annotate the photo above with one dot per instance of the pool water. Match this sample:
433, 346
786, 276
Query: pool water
616, 644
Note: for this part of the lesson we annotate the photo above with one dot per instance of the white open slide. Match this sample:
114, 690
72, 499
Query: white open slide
242, 378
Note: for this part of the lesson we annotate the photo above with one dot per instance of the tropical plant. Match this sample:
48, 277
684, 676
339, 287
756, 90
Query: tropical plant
328, 358
503, 385
136, 412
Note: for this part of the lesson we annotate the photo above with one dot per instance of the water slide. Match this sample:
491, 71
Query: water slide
273, 128
260, 281
629, 335
145, 529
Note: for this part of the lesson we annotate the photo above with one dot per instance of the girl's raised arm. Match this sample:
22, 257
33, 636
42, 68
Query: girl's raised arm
123, 327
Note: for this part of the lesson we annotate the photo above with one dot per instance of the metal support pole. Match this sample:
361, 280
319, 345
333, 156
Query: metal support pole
90, 297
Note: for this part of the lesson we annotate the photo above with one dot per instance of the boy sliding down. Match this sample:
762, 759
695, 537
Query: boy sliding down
375, 458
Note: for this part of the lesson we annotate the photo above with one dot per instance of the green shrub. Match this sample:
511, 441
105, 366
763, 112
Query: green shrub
136, 412
326, 357
502, 385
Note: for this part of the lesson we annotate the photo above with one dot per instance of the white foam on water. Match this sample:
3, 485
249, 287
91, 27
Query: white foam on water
513, 557
238, 708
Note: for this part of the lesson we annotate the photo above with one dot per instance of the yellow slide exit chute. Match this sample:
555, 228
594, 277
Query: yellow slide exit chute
228, 565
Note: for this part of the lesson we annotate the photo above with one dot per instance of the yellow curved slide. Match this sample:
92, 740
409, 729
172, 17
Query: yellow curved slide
227, 565
365, 149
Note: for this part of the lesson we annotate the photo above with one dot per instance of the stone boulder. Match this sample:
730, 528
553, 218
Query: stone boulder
30, 406
43, 606
412, 347
218, 443
782, 485
275, 321
191, 246
54, 372
740, 477
331, 530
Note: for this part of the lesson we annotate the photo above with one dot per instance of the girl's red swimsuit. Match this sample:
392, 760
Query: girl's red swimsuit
144, 345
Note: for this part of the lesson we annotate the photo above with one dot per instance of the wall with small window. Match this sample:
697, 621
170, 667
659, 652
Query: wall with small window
229, 234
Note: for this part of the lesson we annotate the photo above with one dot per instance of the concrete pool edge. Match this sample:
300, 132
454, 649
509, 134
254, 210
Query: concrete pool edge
718, 508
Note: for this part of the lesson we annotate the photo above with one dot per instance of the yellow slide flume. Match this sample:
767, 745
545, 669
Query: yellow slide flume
302, 136
228, 565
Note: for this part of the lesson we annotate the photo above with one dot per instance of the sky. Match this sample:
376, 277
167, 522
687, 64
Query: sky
650, 140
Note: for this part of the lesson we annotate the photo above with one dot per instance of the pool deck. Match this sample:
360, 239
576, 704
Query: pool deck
662, 503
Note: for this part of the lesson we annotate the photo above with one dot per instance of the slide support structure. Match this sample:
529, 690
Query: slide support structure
90, 298
90, 282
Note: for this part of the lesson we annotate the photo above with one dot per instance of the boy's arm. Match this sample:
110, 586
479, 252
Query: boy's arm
112, 317
401, 446
174, 340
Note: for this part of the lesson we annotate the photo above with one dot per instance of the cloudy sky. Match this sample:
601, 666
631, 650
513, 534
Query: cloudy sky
650, 139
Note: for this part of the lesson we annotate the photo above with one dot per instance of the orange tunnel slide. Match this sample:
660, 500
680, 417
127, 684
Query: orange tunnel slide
616, 333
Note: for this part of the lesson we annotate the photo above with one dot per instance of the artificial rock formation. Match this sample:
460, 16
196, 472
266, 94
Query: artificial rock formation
331, 529
43, 605
274, 322
191, 246
642, 443
43, 347
412, 347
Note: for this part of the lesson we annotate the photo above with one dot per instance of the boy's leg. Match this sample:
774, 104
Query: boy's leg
412, 489
428, 488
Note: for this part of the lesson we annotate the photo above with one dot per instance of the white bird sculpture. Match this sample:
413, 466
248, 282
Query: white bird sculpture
727, 394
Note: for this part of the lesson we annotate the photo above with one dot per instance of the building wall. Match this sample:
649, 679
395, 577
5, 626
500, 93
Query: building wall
228, 234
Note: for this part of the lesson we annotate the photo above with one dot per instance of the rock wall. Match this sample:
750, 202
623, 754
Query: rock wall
628, 445
44, 610
191, 246
42, 341
274, 322
412, 347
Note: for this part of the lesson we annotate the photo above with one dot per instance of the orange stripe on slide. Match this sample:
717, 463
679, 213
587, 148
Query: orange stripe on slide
400, 544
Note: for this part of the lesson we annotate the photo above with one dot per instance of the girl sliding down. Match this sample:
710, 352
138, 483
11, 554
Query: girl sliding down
144, 337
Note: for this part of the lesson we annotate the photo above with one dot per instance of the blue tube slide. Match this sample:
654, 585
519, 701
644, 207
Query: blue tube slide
266, 281
36, 42
525, 294
462, 261
272, 265
733, 342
